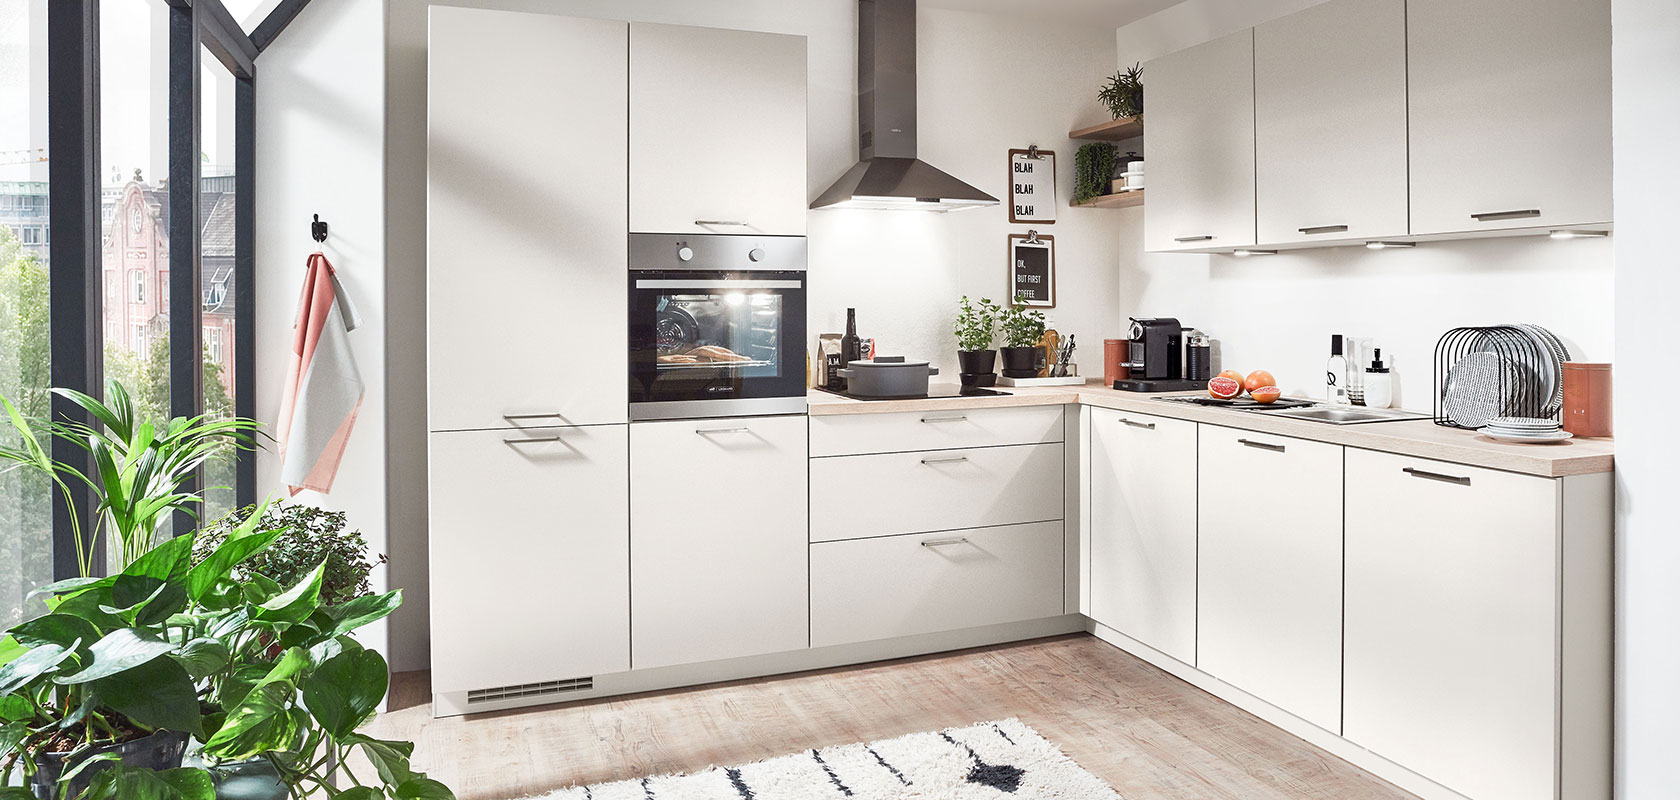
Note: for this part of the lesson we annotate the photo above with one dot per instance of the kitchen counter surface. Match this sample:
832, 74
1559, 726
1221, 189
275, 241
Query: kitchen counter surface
1421, 438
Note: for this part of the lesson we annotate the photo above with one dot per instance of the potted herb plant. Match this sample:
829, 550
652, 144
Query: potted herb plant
976, 328
1023, 327
1123, 94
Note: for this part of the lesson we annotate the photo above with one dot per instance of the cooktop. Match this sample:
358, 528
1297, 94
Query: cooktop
935, 390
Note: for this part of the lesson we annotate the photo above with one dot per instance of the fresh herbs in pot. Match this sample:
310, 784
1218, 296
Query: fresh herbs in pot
312, 536
1093, 170
976, 324
1022, 326
1123, 94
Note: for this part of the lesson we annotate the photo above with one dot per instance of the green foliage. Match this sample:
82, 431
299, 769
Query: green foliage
1093, 170
1123, 94
25, 495
1022, 326
976, 325
312, 536
185, 639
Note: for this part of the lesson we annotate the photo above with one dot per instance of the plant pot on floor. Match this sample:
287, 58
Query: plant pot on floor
243, 780
1020, 362
977, 367
160, 751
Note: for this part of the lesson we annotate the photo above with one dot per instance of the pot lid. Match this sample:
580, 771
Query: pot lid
886, 361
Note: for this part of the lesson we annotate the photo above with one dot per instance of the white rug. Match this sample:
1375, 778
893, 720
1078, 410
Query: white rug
985, 761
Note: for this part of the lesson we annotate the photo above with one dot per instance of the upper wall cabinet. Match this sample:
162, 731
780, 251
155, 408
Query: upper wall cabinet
1510, 113
1200, 144
717, 131
1329, 123
525, 251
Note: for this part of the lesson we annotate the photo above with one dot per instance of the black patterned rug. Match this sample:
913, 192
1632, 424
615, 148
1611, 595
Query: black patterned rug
985, 761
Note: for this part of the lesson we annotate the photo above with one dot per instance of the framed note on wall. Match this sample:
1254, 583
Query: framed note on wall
1032, 269
1032, 186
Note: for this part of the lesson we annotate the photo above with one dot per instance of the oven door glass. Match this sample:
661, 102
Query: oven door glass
716, 336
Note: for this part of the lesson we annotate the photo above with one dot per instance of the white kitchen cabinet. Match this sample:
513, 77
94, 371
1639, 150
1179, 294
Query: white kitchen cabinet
717, 539
880, 588
935, 490
1143, 529
1200, 145
856, 434
526, 218
1454, 665
1329, 124
1509, 114
717, 131
1269, 586
530, 561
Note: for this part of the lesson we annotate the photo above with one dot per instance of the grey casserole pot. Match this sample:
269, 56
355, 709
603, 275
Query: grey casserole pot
887, 376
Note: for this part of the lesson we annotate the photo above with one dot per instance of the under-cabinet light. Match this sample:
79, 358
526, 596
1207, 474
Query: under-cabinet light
1246, 253
1387, 245
1579, 234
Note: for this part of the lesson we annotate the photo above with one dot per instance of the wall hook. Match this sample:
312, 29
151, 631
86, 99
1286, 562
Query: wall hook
318, 229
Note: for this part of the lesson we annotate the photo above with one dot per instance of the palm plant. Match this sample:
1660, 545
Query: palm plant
138, 470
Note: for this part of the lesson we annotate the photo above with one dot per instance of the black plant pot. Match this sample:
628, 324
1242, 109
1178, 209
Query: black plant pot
1020, 362
160, 751
977, 367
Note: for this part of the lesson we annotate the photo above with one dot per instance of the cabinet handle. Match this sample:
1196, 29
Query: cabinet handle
1323, 229
1491, 216
937, 420
735, 222
1148, 426
710, 431
549, 415
1436, 476
1276, 448
944, 460
533, 440
1193, 239
944, 542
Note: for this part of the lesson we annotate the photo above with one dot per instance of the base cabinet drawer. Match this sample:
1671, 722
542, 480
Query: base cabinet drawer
869, 589
853, 434
935, 490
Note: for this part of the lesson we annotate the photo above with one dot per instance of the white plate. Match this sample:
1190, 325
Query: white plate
1472, 396
1524, 422
1527, 438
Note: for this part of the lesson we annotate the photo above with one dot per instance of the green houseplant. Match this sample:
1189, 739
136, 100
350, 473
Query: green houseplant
976, 328
1023, 327
1123, 93
1093, 170
310, 536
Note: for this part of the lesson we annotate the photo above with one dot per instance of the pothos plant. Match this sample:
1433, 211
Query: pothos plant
1022, 326
976, 326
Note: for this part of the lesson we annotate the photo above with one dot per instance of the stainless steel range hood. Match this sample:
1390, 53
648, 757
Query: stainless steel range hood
888, 174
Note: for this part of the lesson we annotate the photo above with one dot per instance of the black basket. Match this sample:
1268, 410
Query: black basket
1497, 371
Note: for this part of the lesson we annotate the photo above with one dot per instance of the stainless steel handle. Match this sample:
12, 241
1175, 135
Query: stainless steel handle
1436, 476
1323, 229
550, 415
677, 283
533, 440
1490, 216
944, 460
936, 420
1148, 426
735, 222
710, 431
1193, 239
944, 542
1276, 448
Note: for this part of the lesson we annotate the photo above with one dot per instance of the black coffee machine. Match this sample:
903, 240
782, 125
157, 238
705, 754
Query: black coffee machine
1155, 358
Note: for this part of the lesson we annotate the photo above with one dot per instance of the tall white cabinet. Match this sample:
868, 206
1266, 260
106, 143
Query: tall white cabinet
717, 131
1200, 144
1510, 113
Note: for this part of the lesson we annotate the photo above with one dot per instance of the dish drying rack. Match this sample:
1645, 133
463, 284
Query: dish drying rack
1482, 373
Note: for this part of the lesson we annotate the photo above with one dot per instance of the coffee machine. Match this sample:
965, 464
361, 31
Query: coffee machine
1155, 358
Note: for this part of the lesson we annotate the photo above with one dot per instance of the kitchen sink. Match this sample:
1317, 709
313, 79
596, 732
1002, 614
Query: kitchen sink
1341, 415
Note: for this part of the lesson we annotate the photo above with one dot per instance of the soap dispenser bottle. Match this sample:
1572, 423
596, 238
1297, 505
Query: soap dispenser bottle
1336, 374
1379, 384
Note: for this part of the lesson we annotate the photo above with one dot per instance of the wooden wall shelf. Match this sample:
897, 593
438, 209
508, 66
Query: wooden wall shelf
1113, 131
1117, 200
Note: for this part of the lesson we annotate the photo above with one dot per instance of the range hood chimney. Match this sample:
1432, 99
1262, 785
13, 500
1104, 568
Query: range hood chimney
888, 174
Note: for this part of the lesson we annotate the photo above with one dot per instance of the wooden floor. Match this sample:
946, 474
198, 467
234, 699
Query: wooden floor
1150, 735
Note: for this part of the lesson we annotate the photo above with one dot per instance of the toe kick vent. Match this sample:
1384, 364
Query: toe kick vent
524, 690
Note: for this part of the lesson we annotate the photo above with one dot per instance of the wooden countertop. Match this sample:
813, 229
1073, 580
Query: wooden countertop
1421, 438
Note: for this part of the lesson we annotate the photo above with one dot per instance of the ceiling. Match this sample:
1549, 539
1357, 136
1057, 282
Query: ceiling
1109, 13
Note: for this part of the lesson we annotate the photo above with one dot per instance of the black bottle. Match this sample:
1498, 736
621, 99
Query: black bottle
851, 347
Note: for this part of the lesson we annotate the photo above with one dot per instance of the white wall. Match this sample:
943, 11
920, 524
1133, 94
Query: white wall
984, 87
1646, 61
320, 133
1278, 312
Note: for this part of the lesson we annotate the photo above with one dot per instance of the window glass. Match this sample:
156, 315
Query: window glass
217, 312
25, 497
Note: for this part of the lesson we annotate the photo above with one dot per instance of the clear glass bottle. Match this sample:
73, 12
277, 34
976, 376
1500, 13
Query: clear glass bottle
1336, 374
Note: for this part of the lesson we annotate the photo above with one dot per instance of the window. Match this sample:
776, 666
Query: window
213, 345
219, 201
30, 236
137, 284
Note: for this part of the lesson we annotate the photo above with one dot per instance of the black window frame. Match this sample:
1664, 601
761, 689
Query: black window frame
75, 291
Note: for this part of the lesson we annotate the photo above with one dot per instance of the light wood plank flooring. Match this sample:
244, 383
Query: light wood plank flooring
1150, 735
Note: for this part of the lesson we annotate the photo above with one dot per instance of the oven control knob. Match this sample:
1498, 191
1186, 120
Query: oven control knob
685, 253
755, 254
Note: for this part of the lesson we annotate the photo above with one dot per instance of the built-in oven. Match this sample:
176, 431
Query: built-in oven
717, 326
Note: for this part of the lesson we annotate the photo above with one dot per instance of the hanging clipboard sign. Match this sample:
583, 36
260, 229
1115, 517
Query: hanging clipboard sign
1032, 269
1032, 186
